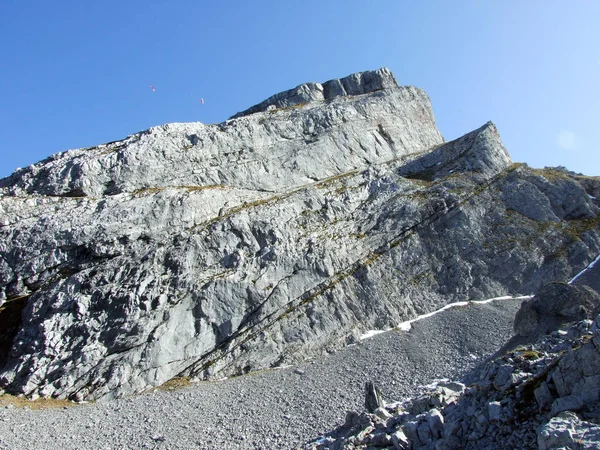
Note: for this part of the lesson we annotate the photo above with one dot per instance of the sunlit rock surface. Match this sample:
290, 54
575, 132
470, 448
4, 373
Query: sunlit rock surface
213, 250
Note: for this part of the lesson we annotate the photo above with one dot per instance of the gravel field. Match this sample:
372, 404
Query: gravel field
274, 409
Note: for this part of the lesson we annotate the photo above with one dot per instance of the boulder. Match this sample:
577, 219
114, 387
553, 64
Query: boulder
553, 306
373, 399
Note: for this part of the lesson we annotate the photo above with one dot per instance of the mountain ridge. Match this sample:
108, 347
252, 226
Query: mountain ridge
175, 252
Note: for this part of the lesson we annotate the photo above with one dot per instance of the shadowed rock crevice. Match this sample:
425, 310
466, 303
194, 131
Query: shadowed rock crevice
10, 323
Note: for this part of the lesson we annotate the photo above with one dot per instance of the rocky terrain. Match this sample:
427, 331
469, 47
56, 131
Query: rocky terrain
284, 234
273, 409
541, 395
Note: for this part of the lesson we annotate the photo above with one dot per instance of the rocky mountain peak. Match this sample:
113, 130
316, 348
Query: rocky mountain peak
193, 250
287, 144
355, 84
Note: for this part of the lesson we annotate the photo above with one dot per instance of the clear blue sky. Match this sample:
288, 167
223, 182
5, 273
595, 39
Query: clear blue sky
78, 73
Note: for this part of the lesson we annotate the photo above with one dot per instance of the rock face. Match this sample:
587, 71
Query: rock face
212, 250
355, 84
278, 150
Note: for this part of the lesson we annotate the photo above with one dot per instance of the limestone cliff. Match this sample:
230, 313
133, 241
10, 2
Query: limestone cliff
282, 233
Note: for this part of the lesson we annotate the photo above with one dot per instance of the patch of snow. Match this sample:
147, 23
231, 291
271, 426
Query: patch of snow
506, 297
406, 326
592, 197
585, 270
372, 333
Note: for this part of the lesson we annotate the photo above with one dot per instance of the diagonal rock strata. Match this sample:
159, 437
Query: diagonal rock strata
212, 250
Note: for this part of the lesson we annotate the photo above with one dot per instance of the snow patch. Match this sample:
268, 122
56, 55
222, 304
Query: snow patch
406, 326
372, 333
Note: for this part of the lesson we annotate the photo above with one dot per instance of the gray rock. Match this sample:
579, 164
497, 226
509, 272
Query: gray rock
578, 373
409, 429
567, 403
567, 431
494, 411
400, 440
380, 439
503, 379
420, 405
435, 421
519, 417
373, 400
355, 84
382, 413
424, 433
554, 305
453, 386
543, 396
205, 251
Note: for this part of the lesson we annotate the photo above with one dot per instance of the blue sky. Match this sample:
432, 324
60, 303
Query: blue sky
76, 74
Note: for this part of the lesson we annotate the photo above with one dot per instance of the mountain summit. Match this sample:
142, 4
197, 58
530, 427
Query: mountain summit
285, 232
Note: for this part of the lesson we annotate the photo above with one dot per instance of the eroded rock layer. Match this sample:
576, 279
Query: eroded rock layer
212, 250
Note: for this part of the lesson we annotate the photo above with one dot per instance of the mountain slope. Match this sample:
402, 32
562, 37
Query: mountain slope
194, 250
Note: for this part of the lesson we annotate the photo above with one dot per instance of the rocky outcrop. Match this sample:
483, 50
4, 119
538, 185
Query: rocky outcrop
355, 84
554, 305
540, 397
275, 151
213, 250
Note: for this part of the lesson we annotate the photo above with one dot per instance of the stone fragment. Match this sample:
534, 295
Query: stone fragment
424, 433
382, 413
373, 399
567, 430
568, 403
503, 379
558, 433
380, 439
435, 421
596, 324
454, 386
356, 421
409, 428
494, 411
420, 405
543, 396
400, 440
